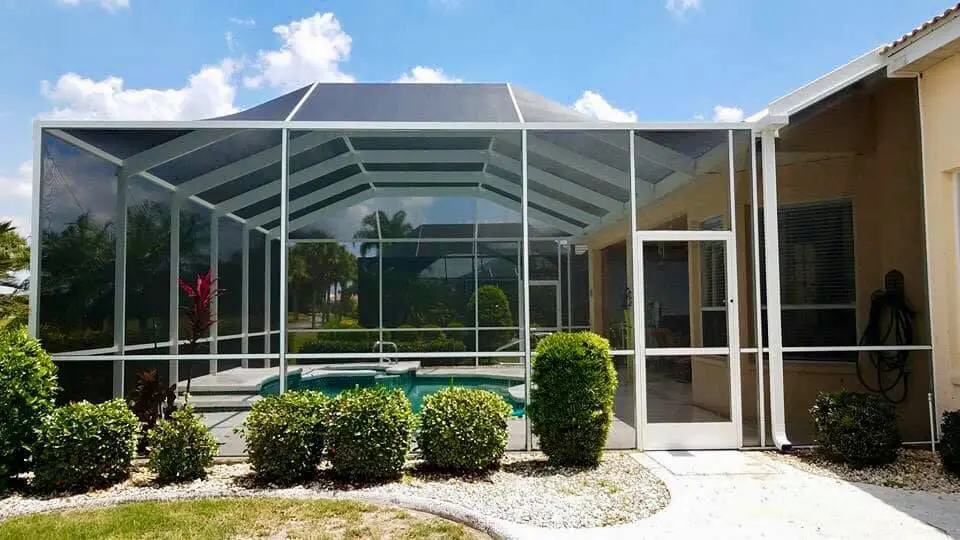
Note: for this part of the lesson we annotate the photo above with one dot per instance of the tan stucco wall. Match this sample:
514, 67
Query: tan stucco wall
865, 149
940, 99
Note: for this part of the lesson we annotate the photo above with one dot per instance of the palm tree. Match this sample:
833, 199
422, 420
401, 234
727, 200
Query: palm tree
390, 227
14, 258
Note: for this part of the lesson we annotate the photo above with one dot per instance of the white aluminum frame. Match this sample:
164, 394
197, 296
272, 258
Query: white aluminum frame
283, 230
693, 435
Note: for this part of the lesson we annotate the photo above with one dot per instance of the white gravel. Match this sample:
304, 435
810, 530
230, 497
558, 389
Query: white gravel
915, 469
525, 491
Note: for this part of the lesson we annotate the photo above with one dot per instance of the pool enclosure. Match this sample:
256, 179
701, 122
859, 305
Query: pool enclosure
424, 235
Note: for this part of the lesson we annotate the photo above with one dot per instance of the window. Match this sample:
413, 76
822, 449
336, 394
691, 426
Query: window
817, 274
713, 287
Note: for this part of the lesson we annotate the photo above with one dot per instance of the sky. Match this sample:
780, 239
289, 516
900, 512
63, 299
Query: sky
620, 60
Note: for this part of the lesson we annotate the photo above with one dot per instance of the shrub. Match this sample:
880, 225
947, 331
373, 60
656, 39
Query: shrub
949, 447
83, 446
151, 401
181, 447
855, 427
571, 406
369, 433
285, 436
462, 429
493, 310
28, 385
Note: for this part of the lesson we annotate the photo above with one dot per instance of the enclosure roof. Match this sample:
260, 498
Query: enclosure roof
360, 144
416, 102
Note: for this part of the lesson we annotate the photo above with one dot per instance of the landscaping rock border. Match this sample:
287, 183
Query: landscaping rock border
525, 494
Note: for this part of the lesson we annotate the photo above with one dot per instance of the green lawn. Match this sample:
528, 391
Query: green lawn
236, 518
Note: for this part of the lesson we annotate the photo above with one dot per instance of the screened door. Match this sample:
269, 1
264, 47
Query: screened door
689, 355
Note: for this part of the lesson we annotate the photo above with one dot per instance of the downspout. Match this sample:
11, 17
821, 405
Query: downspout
772, 257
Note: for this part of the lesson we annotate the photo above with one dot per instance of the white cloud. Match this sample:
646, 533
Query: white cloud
312, 50
422, 74
18, 190
18, 185
248, 21
680, 7
109, 5
231, 43
593, 104
208, 93
722, 113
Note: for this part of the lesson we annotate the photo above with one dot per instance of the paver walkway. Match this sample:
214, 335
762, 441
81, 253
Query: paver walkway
719, 495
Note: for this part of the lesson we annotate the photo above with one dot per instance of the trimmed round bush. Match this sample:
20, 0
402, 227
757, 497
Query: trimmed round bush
571, 404
181, 447
858, 428
83, 446
463, 429
285, 436
28, 386
368, 433
949, 447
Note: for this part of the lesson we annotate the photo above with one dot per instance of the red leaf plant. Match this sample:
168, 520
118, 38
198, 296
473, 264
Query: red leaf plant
196, 313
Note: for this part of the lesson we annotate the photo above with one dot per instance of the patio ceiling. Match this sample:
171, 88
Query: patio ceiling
577, 180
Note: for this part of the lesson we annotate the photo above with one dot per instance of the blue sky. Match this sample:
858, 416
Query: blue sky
645, 59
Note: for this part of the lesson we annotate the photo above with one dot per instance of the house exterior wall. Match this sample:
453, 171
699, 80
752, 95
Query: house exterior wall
865, 149
940, 108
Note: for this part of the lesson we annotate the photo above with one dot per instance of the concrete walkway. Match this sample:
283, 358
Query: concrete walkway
751, 495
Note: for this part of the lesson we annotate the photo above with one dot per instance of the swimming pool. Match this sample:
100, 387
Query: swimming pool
416, 387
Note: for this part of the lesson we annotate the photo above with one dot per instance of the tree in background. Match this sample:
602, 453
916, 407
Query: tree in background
14, 258
493, 310
320, 272
390, 227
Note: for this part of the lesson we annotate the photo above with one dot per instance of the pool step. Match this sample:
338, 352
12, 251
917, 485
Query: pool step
222, 402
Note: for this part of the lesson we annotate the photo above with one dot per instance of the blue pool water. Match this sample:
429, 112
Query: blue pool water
416, 388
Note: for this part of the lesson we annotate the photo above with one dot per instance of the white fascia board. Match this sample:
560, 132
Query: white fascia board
553, 181
917, 49
828, 84
249, 164
171, 150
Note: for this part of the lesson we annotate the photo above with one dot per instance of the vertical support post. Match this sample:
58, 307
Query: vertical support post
284, 221
636, 305
731, 302
267, 296
245, 296
757, 301
570, 252
215, 273
33, 318
120, 284
525, 225
771, 246
174, 290
559, 288
379, 289
476, 285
